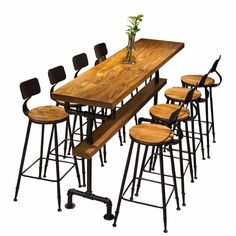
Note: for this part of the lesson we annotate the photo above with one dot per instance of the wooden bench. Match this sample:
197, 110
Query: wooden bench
110, 127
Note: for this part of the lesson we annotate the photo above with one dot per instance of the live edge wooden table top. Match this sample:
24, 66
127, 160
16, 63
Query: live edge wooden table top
108, 83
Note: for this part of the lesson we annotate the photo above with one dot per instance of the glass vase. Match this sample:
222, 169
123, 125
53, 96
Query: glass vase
130, 56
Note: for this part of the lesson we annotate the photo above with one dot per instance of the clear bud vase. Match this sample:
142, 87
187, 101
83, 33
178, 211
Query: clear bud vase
130, 57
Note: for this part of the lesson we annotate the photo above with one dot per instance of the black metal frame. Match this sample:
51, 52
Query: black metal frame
89, 195
91, 116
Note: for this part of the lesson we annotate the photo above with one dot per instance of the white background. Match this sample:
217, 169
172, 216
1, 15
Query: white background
38, 35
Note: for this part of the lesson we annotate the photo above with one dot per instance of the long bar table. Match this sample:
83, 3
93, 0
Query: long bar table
105, 86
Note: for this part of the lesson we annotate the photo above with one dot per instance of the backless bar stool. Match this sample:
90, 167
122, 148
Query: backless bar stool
56, 75
207, 83
43, 115
161, 114
178, 95
150, 135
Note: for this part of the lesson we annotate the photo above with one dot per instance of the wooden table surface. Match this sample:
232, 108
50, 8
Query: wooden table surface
108, 83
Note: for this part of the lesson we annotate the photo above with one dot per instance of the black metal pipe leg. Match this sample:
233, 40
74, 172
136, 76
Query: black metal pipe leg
105, 153
48, 154
155, 159
174, 177
189, 151
22, 160
212, 117
57, 168
193, 145
207, 124
181, 170
124, 134
41, 152
123, 183
75, 159
200, 130
89, 195
141, 170
135, 172
163, 190
120, 138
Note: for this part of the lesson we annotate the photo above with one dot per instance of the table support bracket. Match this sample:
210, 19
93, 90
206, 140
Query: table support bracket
91, 115
89, 195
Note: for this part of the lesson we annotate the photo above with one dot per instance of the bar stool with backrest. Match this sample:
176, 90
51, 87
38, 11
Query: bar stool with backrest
178, 95
56, 75
207, 83
150, 135
161, 114
43, 115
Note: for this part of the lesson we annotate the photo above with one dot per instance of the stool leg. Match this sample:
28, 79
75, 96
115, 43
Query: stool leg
105, 153
141, 170
155, 159
66, 138
123, 128
174, 177
193, 144
124, 134
48, 154
135, 172
163, 190
212, 116
22, 160
119, 134
81, 126
123, 183
75, 160
181, 170
57, 168
41, 152
200, 130
207, 124
189, 151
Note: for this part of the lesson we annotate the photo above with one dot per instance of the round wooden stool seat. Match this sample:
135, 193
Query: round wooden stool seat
179, 94
48, 114
62, 103
151, 134
192, 80
163, 112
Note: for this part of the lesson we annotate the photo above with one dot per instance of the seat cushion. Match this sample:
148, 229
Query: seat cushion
47, 114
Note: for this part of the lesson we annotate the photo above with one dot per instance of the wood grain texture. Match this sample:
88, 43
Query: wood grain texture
108, 83
47, 114
179, 94
110, 127
163, 112
151, 134
192, 80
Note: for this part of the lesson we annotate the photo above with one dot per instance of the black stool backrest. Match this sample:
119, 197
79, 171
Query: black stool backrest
189, 95
100, 52
29, 88
214, 66
202, 81
174, 117
56, 74
213, 69
79, 61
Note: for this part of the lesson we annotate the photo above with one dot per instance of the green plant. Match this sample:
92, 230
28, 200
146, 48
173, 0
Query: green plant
134, 23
